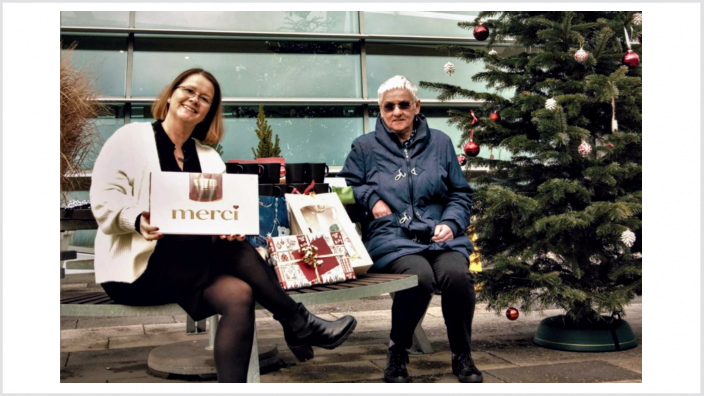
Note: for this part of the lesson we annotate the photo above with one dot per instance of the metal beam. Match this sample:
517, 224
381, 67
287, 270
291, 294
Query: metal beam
384, 38
296, 101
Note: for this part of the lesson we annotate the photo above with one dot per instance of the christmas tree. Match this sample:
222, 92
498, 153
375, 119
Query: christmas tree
266, 148
556, 223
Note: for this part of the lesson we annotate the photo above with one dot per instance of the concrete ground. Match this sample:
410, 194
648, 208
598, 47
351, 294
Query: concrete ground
116, 349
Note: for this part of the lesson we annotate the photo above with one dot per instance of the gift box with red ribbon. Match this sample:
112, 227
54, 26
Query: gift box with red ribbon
311, 259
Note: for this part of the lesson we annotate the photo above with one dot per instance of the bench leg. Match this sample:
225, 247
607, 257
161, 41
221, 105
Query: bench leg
193, 327
421, 344
253, 371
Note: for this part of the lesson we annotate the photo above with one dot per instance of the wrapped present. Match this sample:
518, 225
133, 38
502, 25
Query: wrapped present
311, 259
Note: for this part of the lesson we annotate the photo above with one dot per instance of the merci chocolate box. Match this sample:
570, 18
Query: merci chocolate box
204, 203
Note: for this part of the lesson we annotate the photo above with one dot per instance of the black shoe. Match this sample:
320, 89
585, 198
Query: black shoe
464, 368
396, 361
304, 330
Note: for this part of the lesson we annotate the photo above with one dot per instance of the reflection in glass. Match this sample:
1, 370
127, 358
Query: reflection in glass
105, 126
418, 23
249, 68
437, 119
105, 58
252, 21
422, 63
306, 133
120, 19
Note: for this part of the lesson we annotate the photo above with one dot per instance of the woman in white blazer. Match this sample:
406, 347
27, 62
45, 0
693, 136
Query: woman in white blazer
137, 265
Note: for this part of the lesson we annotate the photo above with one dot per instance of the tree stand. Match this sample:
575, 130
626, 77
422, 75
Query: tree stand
562, 333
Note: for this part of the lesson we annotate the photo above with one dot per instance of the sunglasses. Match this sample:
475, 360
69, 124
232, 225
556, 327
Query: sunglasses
401, 106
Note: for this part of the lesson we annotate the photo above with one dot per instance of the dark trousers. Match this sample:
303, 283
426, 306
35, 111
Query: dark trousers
447, 272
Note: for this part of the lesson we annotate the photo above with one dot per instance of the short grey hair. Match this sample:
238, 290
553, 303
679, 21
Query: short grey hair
397, 82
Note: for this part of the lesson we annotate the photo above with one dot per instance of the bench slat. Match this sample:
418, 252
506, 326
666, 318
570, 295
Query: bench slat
100, 304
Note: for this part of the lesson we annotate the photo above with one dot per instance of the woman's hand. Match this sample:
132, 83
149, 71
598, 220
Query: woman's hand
443, 233
146, 229
232, 237
380, 209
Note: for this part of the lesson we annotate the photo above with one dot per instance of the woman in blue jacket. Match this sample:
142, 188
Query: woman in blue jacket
418, 203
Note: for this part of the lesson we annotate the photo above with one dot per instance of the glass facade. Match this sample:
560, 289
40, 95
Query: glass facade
316, 72
104, 57
119, 19
252, 68
317, 83
306, 133
418, 23
257, 21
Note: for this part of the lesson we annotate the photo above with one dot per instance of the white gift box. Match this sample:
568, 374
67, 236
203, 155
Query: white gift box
204, 203
322, 213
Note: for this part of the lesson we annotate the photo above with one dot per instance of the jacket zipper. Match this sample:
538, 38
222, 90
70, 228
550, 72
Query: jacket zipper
410, 180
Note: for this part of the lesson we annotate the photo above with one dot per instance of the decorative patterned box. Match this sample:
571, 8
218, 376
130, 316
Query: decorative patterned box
311, 259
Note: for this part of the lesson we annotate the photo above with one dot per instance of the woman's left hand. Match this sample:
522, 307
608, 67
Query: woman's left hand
443, 233
232, 237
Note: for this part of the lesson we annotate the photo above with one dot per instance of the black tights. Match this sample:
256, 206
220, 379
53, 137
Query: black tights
247, 278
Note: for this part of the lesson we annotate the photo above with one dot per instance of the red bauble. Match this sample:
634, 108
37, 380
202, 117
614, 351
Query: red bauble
512, 313
631, 59
471, 149
495, 117
609, 145
481, 33
462, 160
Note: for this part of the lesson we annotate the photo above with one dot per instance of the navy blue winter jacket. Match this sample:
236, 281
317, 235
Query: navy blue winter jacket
423, 186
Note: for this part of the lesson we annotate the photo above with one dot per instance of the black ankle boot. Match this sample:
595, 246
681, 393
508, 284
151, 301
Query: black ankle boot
304, 330
396, 361
463, 367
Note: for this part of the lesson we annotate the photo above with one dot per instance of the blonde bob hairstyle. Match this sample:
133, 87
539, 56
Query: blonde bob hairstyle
398, 82
211, 129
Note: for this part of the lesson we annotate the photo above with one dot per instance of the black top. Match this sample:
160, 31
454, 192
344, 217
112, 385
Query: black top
165, 148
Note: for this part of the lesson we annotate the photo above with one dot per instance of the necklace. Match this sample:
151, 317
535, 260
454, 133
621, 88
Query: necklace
180, 159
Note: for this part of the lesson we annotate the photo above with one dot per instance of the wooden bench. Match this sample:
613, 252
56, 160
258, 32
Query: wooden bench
190, 357
196, 357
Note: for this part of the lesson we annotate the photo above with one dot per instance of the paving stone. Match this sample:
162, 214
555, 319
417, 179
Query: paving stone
106, 372
94, 338
439, 363
166, 328
180, 318
449, 378
102, 332
634, 364
340, 372
87, 323
135, 341
84, 344
73, 286
64, 359
109, 356
68, 324
573, 372
85, 278
527, 355
149, 378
